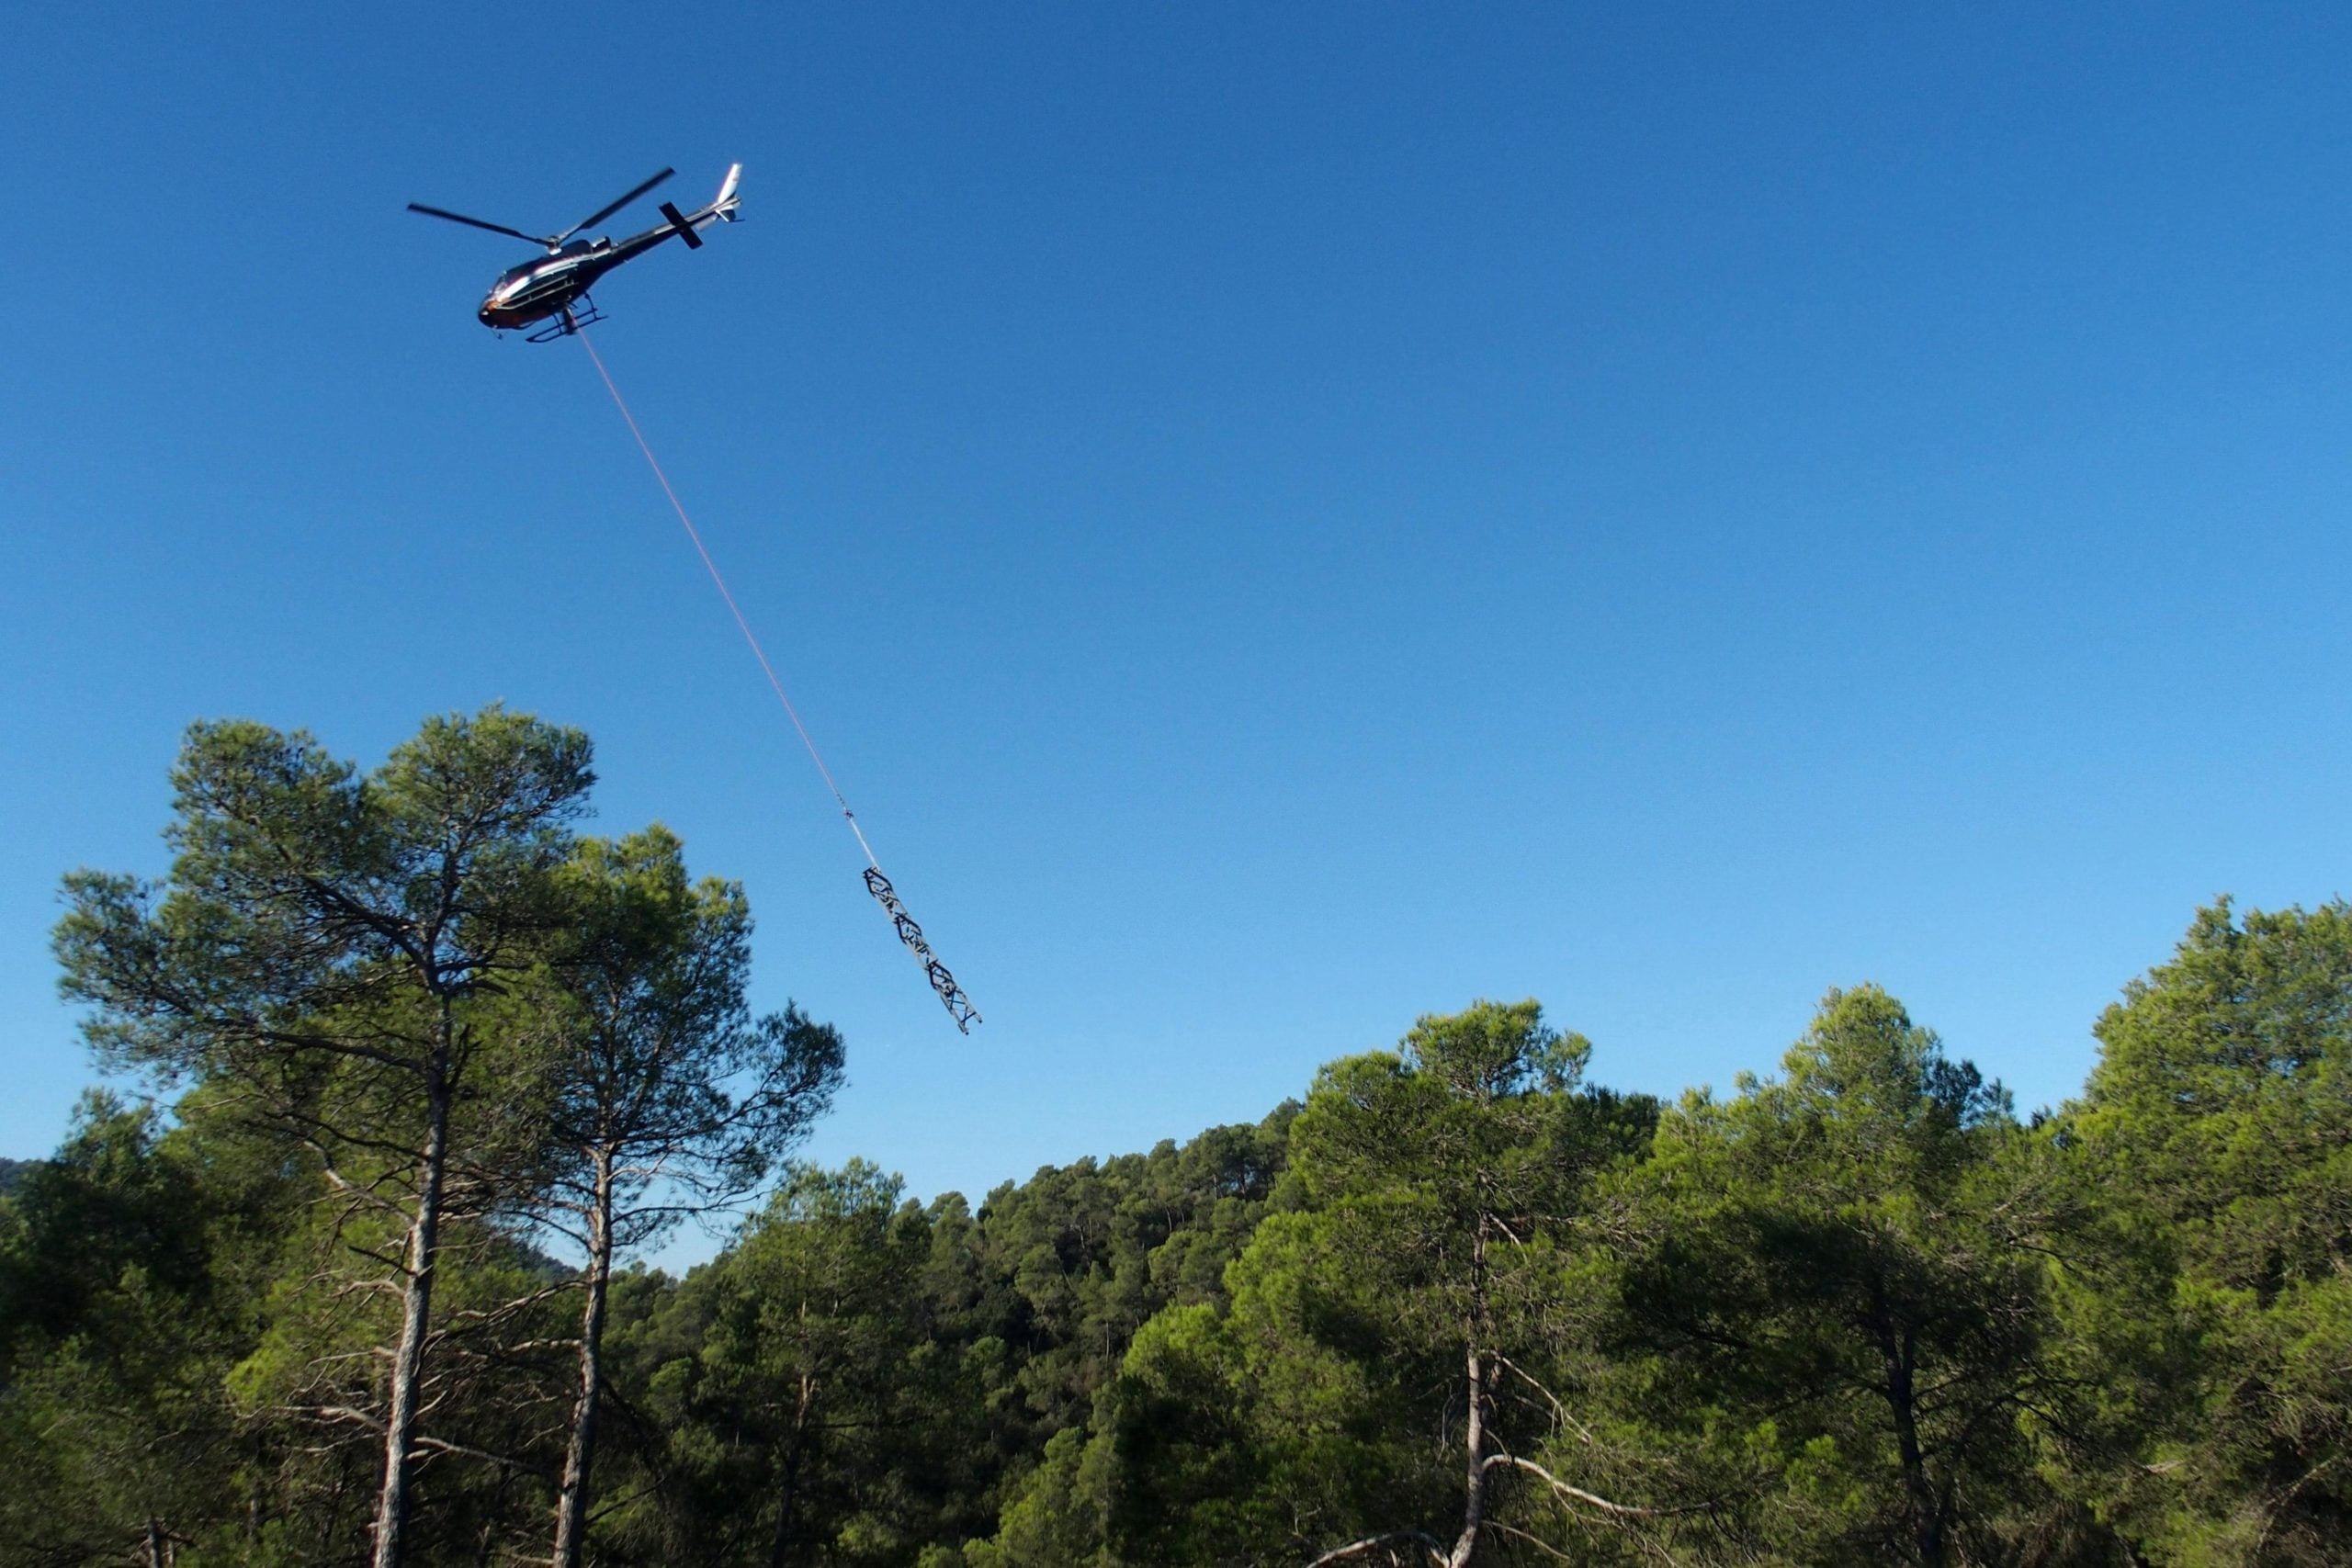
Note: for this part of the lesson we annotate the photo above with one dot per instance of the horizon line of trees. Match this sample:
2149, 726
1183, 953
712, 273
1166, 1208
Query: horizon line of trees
445, 1067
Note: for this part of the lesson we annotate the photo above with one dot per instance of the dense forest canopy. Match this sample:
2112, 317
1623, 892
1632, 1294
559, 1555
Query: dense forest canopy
361, 1284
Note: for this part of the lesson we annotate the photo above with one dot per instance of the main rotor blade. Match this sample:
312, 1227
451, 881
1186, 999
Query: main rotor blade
478, 223
604, 212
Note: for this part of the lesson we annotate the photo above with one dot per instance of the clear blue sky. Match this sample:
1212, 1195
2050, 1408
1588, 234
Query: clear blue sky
1283, 517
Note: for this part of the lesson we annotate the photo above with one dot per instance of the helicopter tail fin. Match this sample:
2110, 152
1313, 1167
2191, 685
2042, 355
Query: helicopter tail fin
725, 203
684, 225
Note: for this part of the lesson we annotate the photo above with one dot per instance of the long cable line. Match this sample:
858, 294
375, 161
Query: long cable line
959, 1006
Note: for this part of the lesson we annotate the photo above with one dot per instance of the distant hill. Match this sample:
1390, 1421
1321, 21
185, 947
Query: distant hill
12, 1171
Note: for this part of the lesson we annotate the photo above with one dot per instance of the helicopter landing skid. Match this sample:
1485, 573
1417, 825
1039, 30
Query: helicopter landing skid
580, 312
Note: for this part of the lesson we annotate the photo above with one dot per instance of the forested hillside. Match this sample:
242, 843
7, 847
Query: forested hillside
364, 1293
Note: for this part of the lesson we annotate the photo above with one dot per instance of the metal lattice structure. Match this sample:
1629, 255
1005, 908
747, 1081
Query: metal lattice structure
959, 1006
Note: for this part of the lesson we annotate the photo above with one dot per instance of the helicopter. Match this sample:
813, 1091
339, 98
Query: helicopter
557, 285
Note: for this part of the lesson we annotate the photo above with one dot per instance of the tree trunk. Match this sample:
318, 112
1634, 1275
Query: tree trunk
783, 1542
1902, 1398
1474, 1498
572, 1502
417, 1313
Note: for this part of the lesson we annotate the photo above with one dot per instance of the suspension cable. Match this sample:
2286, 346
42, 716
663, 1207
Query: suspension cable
959, 1006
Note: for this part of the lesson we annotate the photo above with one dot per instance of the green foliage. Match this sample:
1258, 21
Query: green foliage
950, 1358
109, 1206
128, 1270
1460, 1299
1436, 1183
1043, 1289
662, 1080
299, 890
351, 962
2216, 1134
664, 1096
1834, 1296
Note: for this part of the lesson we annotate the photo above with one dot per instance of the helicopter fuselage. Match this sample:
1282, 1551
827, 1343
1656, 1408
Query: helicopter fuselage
547, 286
556, 284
